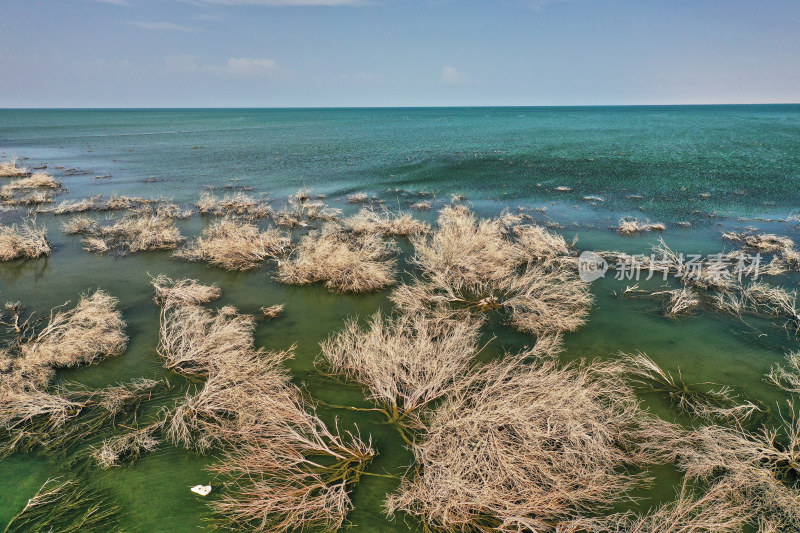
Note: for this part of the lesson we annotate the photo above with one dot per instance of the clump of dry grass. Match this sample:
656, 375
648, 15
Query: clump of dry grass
385, 222
758, 468
84, 334
679, 301
786, 256
90, 331
273, 311
10, 169
129, 446
36, 181
67, 506
763, 242
519, 446
238, 204
712, 511
173, 293
79, 225
698, 401
283, 468
116, 203
632, 226
478, 266
346, 262
235, 244
30, 198
421, 206
135, 232
357, 198
26, 241
787, 378
405, 363
539, 244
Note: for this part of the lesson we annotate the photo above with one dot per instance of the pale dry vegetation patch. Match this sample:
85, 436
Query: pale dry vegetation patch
519, 445
85, 334
79, 225
137, 231
786, 257
174, 293
283, 467
404, 363
384, 222
493, 264
68, 506
235, 244
10, 169
238, 203
698, 401
25, 241
345, 261
631, 226
711, 511
273, 311
118, 203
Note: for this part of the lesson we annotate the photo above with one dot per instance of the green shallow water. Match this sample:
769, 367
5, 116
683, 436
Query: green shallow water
479, 152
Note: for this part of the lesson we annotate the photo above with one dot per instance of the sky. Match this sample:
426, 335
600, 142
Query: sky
386, 53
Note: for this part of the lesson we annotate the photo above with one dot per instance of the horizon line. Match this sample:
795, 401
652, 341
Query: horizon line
287, 108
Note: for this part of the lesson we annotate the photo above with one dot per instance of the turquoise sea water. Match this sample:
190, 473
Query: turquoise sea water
746, 158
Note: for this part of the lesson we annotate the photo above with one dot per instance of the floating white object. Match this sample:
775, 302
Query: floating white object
202, 490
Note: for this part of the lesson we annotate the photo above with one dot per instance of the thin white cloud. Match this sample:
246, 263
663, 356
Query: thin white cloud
161, 26
451, 76
278, 3
112, 2
235, 67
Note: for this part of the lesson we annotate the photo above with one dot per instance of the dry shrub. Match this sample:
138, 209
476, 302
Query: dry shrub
9, 169
126, 447
477, 266
539, 244
77, 206
385, 222
698, 401
759, 468
36, 181
465, 250
714, 511
174, 293
517, 446
764, 242
357, 198
273, 311
90, 331
284, 469
787, 378
67, 506
114, 203
786, 256
346, 262
679, 301
301, 211
135, 232
632, 226
405, 363
79, 225
238, 204
85, 334
234, 244
421, 206
27, 241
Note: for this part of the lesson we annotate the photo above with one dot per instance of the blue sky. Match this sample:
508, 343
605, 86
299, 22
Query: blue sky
318, 53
